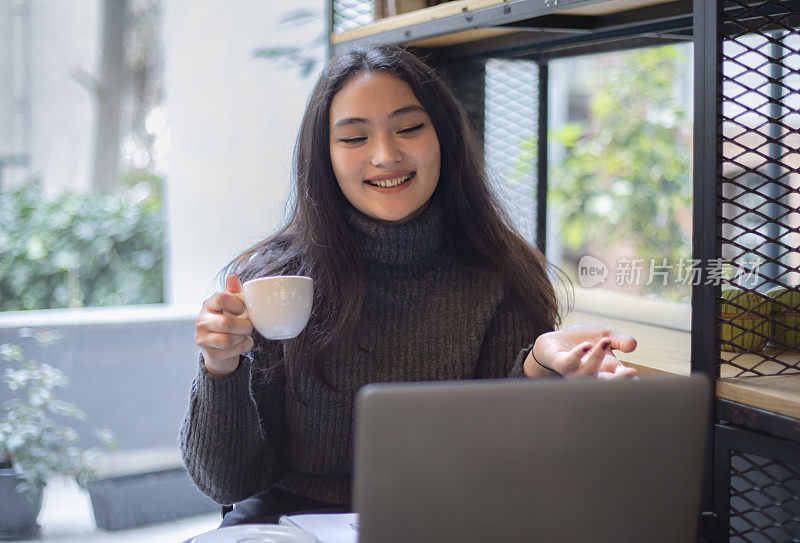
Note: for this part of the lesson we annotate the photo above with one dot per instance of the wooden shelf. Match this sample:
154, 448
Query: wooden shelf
775, 393
463, 21
405, 20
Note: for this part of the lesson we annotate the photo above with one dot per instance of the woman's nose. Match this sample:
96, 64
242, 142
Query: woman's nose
385, 152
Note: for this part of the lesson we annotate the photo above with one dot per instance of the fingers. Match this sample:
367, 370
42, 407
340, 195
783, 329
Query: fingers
233, 283
212, 353
620, 372
594, 332
225, 302
601, 362
571, 363
585, 350
622, 342
222, 333
224, 323
594, 358
216, 340
624, 371
619, 342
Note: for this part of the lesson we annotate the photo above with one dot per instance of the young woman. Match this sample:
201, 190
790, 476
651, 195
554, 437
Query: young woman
418, 275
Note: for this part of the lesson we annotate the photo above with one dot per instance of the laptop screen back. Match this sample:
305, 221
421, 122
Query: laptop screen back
525, 460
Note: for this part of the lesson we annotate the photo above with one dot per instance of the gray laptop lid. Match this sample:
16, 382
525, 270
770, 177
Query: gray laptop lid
531, 460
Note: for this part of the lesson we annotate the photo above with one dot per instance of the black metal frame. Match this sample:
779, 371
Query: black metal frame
541, 153
466, 79
738, 427
763, 20
729, 438
704, 345
758, 420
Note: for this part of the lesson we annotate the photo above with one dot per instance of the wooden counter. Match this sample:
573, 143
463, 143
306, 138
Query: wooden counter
668, 351
659, 350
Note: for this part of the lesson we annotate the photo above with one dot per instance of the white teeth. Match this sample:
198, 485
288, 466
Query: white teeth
386, 183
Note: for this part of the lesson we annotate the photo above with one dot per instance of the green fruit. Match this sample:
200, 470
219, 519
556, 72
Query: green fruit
785, 317
746, 320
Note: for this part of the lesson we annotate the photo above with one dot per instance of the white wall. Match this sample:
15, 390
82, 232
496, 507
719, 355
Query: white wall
233, 120
7, 80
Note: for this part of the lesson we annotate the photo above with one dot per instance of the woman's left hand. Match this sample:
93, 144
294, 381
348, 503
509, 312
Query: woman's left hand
581, 350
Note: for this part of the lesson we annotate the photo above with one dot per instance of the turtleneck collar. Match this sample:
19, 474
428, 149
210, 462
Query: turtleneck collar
398, 249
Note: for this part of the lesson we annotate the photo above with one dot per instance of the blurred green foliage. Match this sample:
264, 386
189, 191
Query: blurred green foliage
306, 56
74, 249
626, 176
33, 436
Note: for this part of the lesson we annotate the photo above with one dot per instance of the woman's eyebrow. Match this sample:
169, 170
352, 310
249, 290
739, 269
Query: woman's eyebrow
397, 112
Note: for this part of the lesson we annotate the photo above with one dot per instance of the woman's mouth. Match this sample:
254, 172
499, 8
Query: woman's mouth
391, 183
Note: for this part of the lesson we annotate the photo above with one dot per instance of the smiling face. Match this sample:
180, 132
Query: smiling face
384, 150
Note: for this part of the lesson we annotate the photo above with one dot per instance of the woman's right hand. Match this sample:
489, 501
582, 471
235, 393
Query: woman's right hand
220, 333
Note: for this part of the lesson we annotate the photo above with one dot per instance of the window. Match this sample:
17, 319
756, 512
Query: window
620, 177
82, 141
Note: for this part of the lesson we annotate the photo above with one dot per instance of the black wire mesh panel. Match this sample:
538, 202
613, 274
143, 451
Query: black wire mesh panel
510, 143
466, 79
759, 189
764, 500
350, 14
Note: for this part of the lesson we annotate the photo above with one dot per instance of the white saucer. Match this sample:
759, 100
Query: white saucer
256, 533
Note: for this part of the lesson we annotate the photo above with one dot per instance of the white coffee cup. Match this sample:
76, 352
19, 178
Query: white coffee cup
279, 306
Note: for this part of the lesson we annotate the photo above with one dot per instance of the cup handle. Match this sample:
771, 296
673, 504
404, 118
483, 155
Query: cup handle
244, 314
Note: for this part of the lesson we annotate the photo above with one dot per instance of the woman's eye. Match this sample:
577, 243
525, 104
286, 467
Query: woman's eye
408, 130
411, 129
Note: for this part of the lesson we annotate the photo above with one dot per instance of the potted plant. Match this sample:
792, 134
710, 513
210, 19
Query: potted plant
34, 443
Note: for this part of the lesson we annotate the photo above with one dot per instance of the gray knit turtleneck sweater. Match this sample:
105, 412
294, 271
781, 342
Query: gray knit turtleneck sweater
427, 315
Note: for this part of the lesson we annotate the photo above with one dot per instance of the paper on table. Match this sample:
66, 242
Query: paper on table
328, 528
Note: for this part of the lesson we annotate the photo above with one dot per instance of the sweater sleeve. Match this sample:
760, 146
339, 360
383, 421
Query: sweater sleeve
225, 448
507, 342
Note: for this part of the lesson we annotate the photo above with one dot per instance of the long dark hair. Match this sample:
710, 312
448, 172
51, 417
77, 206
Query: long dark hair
317, 242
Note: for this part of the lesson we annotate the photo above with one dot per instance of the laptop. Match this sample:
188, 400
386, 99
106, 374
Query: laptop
531, 460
